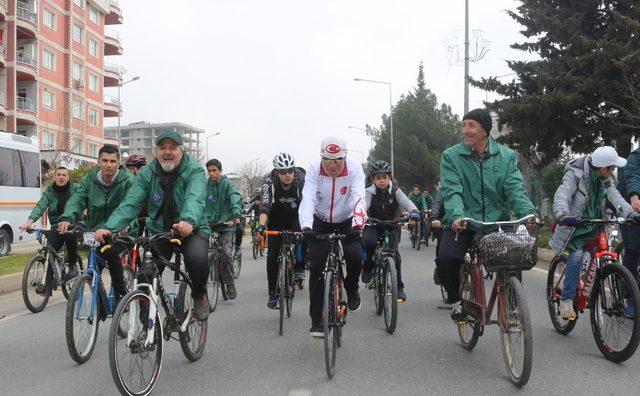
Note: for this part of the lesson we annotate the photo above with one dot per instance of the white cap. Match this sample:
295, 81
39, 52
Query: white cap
333, 147
606, 156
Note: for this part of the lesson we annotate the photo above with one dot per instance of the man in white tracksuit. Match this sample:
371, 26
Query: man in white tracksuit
333, 199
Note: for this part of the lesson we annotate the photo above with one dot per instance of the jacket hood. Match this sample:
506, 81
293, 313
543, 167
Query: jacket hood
298, 175
123, 175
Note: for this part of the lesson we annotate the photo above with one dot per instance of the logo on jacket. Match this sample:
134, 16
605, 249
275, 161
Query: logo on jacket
156, 197
343, 190
211, 197
332, 149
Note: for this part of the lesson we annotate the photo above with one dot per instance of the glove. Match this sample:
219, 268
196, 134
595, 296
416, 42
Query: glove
355, 234
308, 234
261, 229
568, 221
635, 218
415, 215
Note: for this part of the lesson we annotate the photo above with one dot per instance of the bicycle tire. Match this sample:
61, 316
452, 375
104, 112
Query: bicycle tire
281, 288
515, 306
254, 248
426, 234
469, 330
128, 276
291, 289
329, 315
121, 317
418, 235
31, 302
194, 340
412, 236
630, 286
552, 292
78, 294
377, 292
213, 285
390, 295
237, 265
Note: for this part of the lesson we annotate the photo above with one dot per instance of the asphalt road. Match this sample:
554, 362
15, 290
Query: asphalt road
244, 354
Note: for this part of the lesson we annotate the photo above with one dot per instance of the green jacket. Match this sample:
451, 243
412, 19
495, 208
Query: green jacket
429, 201
49, 200
189, 193
486, 191
98, 201
418, 200
224, 203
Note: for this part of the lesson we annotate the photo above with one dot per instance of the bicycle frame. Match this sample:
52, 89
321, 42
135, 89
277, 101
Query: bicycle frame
600, 250
94, 268
478, 305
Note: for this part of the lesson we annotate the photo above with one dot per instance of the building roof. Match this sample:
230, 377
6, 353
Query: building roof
148, 125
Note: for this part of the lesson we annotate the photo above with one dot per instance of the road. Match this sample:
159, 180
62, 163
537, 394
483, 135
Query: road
244, 354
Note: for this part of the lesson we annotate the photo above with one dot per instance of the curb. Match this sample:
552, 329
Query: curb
10, 283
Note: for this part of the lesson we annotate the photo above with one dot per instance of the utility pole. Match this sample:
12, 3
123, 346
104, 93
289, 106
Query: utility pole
466, 56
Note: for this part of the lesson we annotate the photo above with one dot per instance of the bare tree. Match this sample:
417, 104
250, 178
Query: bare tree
252, 173
478, 45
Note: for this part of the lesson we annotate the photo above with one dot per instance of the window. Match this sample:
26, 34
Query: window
94, 14
93, 116
93, 82
93, 150
19, 168
48, 140
76, 145
79, 3
48, 99
93, 48
77, 72
78, 34
49, 60
77, 109
49, 19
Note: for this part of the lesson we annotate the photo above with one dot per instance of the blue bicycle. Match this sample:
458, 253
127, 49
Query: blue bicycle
89, 302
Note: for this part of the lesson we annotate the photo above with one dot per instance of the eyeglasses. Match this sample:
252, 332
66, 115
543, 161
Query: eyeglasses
333, 160
285, 171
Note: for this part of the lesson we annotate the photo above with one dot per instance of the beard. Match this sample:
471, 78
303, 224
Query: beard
168, 165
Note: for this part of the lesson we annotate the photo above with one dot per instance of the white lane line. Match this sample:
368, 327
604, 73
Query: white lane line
540, 270
300, 392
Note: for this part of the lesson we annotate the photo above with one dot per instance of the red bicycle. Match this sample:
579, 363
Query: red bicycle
607, 289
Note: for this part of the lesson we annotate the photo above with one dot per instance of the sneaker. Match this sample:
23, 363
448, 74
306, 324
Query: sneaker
457, 313
629, 308
299, 275
436, 277
402, 296
232, 293
353, 300
201, 307
316, 330
366, 275
272, 301
238, 252
566, 310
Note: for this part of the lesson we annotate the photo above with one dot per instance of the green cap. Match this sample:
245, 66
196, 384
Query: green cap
175, 136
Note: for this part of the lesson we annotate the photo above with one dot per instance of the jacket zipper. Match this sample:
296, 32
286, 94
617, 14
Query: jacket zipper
333, 190
482, 188
106, 199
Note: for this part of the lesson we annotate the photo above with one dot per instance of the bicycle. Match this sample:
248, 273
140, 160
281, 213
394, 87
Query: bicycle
384, 281
237, 261
136, 334
415, 233
426, 227
257, 242
216, 267
36, 285
88, 302
286, 283
604, 288
506, 254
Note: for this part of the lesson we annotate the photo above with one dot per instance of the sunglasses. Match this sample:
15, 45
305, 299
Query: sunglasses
332, 160
285, 171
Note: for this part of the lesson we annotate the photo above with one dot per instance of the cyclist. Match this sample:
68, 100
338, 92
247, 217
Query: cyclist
254, 208
173, 187
629, 187
586, 185
100, 192
419, 201
385, 201
333, 200
281, 196
437, 213
53, 201
428, 199
480, 179
224, 205
135, 163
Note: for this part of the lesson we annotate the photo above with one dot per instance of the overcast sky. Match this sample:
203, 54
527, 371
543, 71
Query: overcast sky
277, 76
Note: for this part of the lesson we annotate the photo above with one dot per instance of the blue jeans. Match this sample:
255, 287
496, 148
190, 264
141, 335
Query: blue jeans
631, 238
572, 274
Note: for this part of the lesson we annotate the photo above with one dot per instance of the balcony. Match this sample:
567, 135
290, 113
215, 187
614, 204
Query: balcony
3, 103
26, 23
112, 75
112, 43
114, 17
3, 53
26, 66
111, 106
27, 113
3, 10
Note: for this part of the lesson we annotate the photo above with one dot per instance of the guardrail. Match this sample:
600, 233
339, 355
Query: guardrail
29, 59
25, 104
27, 15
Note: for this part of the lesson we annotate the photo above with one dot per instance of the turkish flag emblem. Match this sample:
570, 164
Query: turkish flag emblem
333, 149
343, 190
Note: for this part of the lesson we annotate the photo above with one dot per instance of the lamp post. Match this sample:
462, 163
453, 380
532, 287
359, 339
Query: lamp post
209, 137
136, 78
390, 112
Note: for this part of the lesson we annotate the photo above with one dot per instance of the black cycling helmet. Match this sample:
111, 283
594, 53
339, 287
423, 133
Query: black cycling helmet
137, 161
380, 166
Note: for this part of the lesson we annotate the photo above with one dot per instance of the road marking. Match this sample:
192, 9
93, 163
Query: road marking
300, 392
26, 312
540, 270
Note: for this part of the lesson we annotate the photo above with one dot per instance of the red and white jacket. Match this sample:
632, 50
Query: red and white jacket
333, 199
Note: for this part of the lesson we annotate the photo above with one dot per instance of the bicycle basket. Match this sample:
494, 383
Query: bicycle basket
509, 251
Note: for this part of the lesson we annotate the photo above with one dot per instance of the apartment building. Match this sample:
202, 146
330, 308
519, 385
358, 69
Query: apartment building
53, 74
138, 138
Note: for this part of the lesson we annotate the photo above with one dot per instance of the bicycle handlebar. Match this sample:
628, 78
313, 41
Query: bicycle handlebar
617, 220
277, 233
500, 223
390, 223
131, 241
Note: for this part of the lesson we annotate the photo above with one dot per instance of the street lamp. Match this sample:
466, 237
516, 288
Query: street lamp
390, 112
136, 78
209, 137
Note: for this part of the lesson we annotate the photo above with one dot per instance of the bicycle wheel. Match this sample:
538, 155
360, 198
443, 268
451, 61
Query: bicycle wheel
290, 288
254, 248
418, 235
390, 288
35, 291
427, 232
127, 274
329, 323
135, 363
194, 339
412, 236
515, 332
375, 285
555, 279
470, 329
281, 289
237, 266
82, 319
212, 283
616, 331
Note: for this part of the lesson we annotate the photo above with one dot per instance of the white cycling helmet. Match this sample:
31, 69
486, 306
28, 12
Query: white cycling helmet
283, 161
